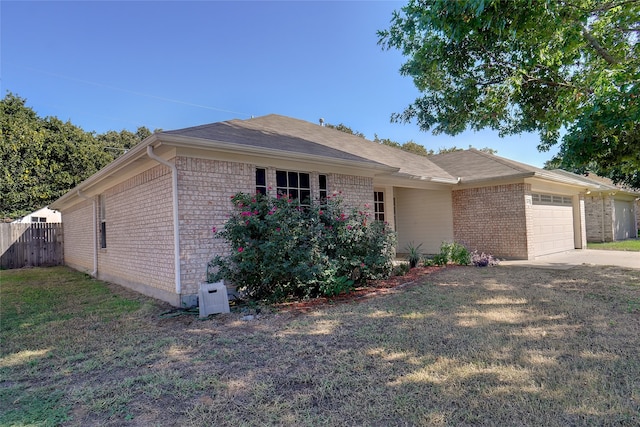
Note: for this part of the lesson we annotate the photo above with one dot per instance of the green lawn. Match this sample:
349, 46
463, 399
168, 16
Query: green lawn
463, 346
622, 245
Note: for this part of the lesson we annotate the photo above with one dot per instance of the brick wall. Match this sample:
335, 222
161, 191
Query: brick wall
78, 236
139, 234
205, 188
598, 209
356, 191
495, 219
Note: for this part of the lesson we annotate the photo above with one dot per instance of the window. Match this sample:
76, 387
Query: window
103, 222
261, 180
551, 199
38, 219
378, 205
295, 185
322, 185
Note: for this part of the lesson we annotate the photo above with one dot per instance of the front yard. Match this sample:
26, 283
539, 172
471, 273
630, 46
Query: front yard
463, 346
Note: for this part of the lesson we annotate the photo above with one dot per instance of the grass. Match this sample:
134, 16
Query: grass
468, 346
621, 245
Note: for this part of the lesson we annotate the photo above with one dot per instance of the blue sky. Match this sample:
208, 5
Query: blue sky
168, 65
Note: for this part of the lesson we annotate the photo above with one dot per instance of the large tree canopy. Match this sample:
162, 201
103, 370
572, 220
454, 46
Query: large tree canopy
43, 158
568, 70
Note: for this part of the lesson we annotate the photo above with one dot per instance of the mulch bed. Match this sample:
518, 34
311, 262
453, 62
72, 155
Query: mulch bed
373, 288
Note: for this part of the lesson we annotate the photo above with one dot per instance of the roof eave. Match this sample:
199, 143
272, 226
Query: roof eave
229, 147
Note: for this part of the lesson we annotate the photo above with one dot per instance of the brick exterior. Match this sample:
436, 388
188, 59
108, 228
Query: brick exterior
497, 220
599, 218
356, 191
139, 223
78, 237
205, 188
139, 234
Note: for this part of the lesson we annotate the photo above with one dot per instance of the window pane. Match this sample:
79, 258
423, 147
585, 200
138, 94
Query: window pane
304, 180
293, 179
261, 177
305, 196
281, 179
293, 192
322, 182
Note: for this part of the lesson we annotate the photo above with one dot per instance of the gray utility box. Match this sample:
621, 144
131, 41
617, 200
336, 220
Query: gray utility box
213, 299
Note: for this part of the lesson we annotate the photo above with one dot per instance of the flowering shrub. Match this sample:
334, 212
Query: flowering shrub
280, 250
480, 259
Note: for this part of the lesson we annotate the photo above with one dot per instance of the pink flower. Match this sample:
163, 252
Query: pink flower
349, 227
278, 229
246, 213
320, 212
362, 264
240, 249
214, 229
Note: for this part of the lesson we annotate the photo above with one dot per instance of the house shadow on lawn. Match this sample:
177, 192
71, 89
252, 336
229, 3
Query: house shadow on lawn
460, 346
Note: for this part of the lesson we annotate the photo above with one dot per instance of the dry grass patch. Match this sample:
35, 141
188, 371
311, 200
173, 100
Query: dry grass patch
466, 346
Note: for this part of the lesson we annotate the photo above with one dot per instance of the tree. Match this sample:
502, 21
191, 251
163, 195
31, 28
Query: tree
43, 158
346, 129
566, 69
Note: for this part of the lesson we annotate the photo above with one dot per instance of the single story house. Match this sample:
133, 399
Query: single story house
144, 221
612, 212
41, 215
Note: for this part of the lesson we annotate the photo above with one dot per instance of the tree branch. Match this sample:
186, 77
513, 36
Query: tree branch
598, 47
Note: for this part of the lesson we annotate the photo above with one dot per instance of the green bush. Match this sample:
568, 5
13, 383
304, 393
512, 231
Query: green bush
454, 253
279, 249
401, 269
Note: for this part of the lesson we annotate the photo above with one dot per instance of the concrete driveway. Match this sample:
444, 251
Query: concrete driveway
570, 259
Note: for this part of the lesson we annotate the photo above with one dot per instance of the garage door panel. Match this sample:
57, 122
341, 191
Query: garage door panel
624, 221
552, 225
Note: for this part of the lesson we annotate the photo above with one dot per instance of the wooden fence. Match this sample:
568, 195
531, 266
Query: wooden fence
31, 245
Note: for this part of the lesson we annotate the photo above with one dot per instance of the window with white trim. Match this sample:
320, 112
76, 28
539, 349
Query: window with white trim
295, 185
378, 205
261, 180
322, 185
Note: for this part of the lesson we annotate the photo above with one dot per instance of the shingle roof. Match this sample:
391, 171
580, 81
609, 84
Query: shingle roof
604, 184
293, 135
473, 166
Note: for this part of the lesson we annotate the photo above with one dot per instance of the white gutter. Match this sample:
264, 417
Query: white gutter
94, 273
176, 226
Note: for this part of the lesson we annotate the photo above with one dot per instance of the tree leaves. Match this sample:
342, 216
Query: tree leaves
43, 158
566, 70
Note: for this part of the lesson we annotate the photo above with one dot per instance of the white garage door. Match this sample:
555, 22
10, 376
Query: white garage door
552, 224
624, 221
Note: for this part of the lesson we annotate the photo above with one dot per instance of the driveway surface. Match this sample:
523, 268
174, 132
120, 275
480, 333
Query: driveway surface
570, 259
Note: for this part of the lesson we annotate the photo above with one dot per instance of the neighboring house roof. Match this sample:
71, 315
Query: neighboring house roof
276, 132
602, 183
473, 166
50, 215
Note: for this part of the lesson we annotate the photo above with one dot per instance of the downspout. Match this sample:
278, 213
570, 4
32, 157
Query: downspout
176, 226
94, 273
